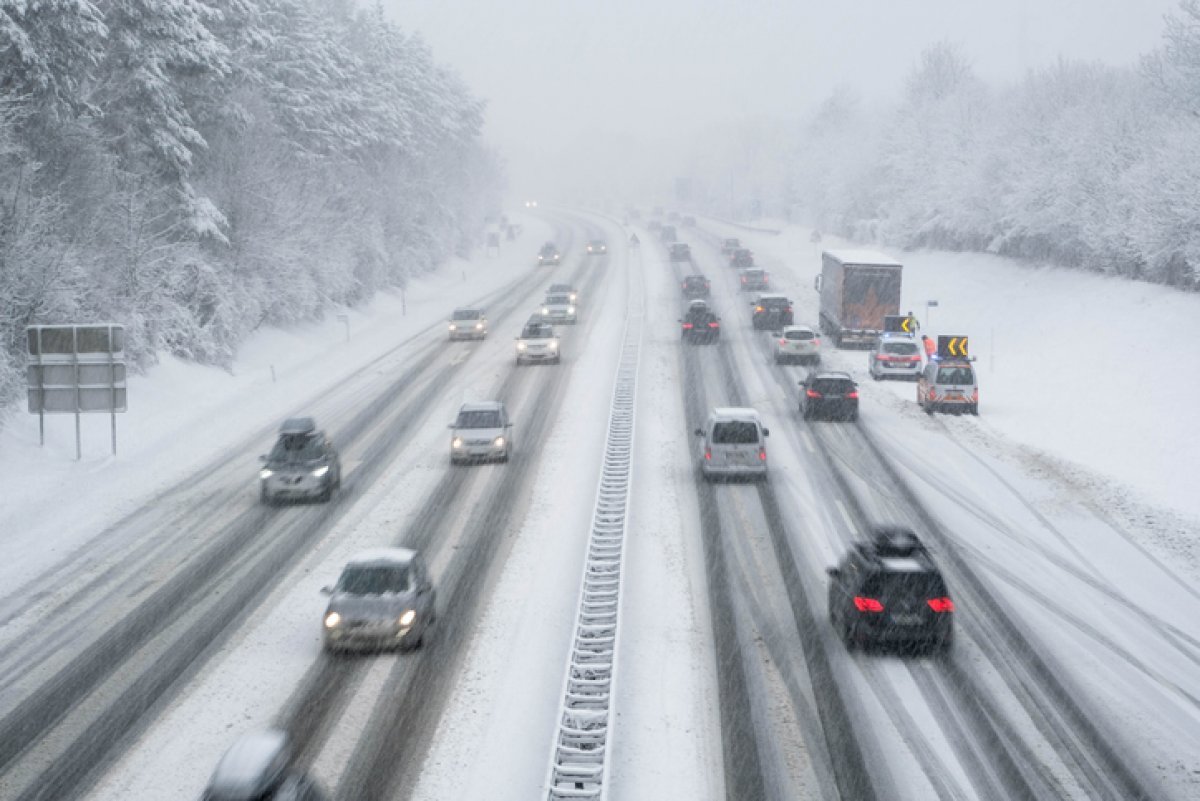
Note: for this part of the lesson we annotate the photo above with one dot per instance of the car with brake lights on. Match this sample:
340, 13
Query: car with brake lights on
668, 234
468, 324
948, 385
894, 355
828, 395
259, 766
888, 590
564, 289
771, 312
597, 247
384, 598
699, 325
549, 254
741, 258
753, 278
303, 464
733, 444
538, 343
696, 286
797, 343
728, 246
480, 433
558, 308
680, 252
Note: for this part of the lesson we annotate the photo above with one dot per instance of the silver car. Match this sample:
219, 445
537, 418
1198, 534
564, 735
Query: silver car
733, 444
797, 343
258, 767
894, 355
468, 324
383, 599
538, 343
948, 385
559, 308
303, 464
480, 433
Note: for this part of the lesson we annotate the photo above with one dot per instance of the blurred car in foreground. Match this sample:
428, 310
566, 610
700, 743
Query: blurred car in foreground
888, 590
468, 324
797, 343
303, 464
258, 767
480, 433
384, 598
733, 444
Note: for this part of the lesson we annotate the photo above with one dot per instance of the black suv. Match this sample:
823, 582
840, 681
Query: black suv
829, 395
681, 252
741, 258
700, 326
888, 590
772, 312
696, 286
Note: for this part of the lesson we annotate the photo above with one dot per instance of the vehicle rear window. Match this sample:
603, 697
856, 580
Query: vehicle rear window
735, 432
904, 586
466, 314
478, 419
753, 273
374, 579
800, 335
956, 376
900, 348
833, 386
775, 303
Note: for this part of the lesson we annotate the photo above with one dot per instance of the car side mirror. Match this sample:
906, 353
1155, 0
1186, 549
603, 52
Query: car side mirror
833, 572
766, 432
327, 590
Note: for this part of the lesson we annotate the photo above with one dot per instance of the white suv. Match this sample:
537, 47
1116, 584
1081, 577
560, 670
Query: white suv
733, 444
894, 355
797, 343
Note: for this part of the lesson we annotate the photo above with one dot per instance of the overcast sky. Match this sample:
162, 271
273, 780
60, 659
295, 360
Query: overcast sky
575, 88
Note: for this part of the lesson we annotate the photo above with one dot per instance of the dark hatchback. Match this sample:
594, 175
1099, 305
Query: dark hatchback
696, 286
888, 591
771, 313
699, 325
829, 395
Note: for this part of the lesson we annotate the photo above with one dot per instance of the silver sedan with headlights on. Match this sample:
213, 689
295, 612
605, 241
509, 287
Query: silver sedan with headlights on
468, 324
480, 433
383, 599
538, 343
303, 464
558, 308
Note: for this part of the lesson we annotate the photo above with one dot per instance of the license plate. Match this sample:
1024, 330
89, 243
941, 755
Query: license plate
906, 620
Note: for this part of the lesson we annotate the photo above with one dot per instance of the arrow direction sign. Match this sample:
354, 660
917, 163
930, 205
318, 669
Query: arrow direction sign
953, 347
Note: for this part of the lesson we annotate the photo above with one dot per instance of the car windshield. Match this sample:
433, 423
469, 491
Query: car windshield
800, 335
916, 585
297, 448
558, 300
374, 579
561, 288
900, 348
956, 376
478, 418
548, 248
833, 386
466, 314
735, 432
538, 332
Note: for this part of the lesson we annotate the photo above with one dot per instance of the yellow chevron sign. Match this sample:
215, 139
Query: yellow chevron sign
952, 347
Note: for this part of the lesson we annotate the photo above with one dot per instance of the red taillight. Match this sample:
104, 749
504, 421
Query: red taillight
708, 453
743, 279
762, 454
853, 395
914, 358
882, 358
941, 604
812, 393
788, 310
867, 604
687, 326
816, 342
783, 342
714, 325
975, 396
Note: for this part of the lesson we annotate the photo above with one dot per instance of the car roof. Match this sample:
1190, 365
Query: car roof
734, 413
252, 766
391, 556
772, 296
482, 406
831, 374
298, 425
798, 328
472, 309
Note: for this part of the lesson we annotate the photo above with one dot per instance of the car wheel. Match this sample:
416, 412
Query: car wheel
854, 417
876, 376
558, 359
928, 407
327, 493
265, 497
974, 409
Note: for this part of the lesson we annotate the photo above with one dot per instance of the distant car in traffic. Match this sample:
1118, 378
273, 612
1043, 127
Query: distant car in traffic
303, 464
531, 204
741, 257
538, 343
384, 598
549, 254
597, 247
797, 343
729, 245
699, 324
259, 767
696, 286
688, 221
667, 234
753, 278
894, 355
481, 432
733, 444
887, 590
655, 226
948, 385
468, 324
564, 289
680, 252
828, 395
558, 308
772, 312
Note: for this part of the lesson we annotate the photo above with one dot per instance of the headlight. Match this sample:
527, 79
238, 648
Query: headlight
545, 310
320, 471
457, 442
479, 325
572, 298
265, 473
453, 327
499, 443
408, 617
520, 346
570, 310
553, 345
333, 620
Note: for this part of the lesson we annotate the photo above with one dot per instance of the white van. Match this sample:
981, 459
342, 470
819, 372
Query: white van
733, 444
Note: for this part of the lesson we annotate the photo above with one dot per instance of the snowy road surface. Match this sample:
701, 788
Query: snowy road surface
154, 610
